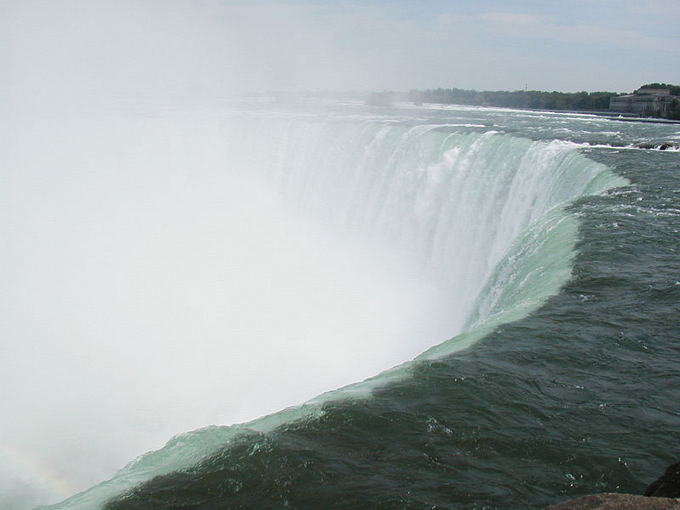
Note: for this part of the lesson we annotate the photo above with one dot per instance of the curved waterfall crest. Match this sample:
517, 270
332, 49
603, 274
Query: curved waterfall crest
455, 199
482, 212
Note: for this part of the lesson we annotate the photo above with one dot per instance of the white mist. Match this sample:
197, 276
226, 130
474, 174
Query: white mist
152, 286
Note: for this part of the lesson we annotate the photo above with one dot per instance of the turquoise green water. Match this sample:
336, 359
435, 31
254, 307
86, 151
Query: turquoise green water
559, 246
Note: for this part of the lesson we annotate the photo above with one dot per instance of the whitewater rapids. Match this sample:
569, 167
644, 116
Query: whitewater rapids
179, 271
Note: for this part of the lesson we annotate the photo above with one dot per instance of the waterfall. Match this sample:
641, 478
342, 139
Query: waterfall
460, 228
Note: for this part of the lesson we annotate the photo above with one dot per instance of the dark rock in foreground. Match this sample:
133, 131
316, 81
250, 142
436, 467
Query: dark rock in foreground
660, 146
668, 485
617, 502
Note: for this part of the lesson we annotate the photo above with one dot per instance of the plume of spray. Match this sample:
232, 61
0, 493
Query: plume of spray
152, 283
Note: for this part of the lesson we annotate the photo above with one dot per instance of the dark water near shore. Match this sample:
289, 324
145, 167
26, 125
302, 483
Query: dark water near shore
581, 396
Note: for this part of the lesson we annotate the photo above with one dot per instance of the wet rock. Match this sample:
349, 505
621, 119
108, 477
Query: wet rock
663, 146
668, 485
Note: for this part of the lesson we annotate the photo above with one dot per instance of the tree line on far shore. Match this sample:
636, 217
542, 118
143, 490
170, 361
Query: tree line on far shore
674, 89
534, 99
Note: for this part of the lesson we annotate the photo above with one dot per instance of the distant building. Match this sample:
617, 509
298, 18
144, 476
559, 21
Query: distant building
646, 102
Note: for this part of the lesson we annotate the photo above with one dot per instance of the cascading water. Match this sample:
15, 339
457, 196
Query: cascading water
455, 200
480, 214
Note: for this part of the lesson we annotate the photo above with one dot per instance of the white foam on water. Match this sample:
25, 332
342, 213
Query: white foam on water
172, 272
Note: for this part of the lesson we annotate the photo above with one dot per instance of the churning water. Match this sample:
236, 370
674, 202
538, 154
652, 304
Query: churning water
178, 270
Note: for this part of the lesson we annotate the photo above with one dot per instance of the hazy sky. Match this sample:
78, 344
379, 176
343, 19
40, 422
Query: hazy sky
205, 47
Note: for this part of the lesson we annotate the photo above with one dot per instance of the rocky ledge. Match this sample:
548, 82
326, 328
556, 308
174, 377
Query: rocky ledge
617, 502
663, 494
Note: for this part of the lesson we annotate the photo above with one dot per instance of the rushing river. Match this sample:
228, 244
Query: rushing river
478, 306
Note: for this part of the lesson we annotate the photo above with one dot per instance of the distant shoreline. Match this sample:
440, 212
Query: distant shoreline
623, 117
655, 102
631, 118
620, 116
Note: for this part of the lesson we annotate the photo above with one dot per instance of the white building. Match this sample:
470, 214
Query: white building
646, 102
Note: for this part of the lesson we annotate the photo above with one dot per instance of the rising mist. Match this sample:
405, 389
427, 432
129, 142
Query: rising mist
154, 283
